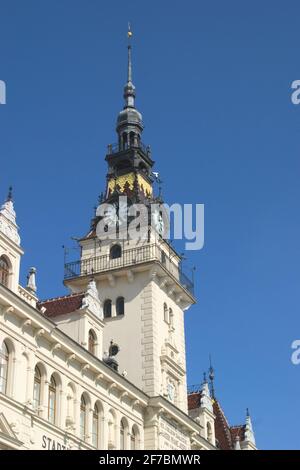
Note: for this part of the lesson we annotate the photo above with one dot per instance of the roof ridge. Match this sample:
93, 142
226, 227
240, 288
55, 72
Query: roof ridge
61, 297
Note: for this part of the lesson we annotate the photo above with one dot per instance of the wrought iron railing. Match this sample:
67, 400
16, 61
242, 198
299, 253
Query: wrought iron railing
194, 388
116, 148
132, 256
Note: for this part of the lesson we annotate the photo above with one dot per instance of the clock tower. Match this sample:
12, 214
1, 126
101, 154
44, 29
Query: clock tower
142, 288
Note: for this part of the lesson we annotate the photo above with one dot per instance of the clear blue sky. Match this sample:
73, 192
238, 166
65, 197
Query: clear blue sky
213, 83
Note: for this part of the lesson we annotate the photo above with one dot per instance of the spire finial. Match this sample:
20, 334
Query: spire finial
31, 282
129, 70
129, 90
9, 195
211, 377
247, 412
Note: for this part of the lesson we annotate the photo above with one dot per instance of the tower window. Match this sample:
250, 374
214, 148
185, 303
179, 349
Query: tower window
4, 271
107, 308
120, 306
131, 139
124, 141
37, 388
92, 342
115, 252
4, 357
52, 401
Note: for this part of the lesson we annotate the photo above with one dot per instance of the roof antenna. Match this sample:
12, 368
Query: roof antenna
211, 378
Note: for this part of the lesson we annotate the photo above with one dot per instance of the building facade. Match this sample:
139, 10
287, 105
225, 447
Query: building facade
104, 367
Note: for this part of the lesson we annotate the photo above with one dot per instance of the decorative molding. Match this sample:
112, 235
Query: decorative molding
8, 224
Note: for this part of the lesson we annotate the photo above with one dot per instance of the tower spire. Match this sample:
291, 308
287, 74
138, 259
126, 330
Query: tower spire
129, 89
129, 69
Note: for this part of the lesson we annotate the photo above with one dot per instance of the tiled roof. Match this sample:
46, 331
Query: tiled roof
222, 428
194, 400
61, 305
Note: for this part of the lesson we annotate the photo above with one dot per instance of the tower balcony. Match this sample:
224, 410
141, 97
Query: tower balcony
132, 258
113, 149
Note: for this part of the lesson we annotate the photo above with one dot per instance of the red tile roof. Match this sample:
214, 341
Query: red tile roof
194, 400
222, 428
61, 305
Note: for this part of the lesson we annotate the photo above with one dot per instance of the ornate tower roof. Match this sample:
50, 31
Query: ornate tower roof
129, 119
129, 161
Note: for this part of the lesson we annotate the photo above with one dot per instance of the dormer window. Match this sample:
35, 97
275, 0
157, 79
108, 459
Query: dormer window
4, 271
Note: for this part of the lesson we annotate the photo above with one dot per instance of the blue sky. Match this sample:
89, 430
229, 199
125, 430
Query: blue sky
213, 83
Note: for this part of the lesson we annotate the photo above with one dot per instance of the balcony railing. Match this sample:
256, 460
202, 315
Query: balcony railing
116, 148
130, 257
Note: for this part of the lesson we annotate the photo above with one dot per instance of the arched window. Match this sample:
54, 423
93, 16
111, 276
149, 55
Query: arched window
4, 357
131, 139
115, 252
52, 401
37, 388
163, 257
166, 313
122, 435
95, 427
124, 140
82, 418
133, 440
92, 342
107, 308
120, 308
4, 271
